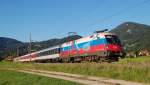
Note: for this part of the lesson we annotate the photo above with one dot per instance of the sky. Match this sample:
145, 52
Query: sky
46, 19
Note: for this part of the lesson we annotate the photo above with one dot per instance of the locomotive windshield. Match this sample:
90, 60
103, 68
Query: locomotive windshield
112, 39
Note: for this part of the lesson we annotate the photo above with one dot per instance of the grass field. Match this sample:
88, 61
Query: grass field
8, 77
133, 69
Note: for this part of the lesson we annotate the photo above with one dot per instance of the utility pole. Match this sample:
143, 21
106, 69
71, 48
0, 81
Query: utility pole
17, 51
30, 44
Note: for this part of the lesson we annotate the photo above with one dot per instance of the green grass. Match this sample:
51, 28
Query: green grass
132, 69
144, 59
8, 77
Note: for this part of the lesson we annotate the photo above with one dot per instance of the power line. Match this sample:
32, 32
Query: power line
124, 10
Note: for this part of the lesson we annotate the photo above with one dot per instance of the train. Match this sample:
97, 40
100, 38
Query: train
98, 47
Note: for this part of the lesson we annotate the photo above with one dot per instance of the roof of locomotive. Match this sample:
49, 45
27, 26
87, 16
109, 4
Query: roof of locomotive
106, 33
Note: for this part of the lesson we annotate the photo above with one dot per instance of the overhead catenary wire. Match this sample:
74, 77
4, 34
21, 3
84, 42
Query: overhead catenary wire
126, 9
121, 12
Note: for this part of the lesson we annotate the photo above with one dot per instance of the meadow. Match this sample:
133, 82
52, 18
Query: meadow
8, 77
131, 69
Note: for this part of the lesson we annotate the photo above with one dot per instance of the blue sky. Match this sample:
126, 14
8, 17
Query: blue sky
47, 19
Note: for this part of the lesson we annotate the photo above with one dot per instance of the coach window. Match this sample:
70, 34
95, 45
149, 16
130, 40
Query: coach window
43, 53
50, 52
47, 52
55, 50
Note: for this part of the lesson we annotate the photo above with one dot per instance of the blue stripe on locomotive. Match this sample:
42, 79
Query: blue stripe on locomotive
82, 45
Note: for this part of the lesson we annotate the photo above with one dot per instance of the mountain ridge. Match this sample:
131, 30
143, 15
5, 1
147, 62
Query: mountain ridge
9, 46
134, 36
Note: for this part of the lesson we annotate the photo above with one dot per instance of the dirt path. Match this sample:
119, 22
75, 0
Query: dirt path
87, 80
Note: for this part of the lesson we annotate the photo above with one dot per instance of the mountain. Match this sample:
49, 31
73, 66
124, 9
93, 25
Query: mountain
52, 42
134, 36
5, 43
9, 47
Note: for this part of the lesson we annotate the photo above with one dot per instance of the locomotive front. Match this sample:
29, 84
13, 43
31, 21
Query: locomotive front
113, 47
